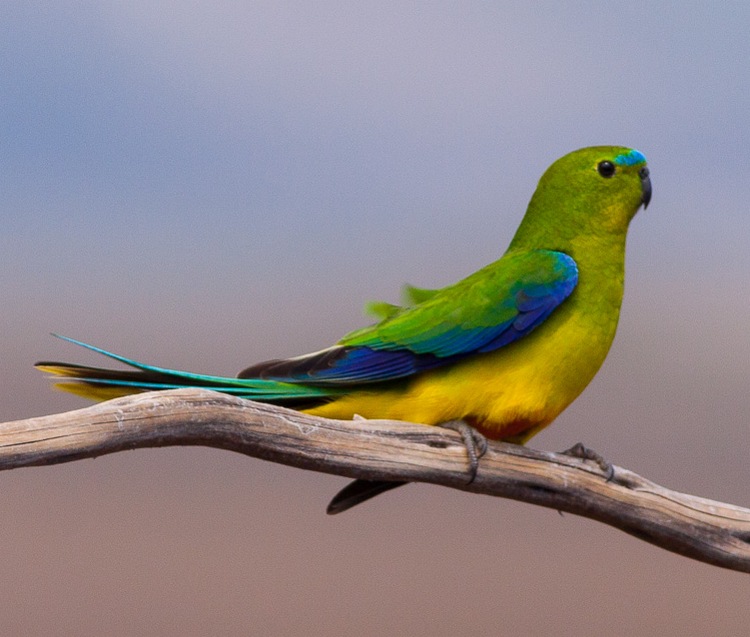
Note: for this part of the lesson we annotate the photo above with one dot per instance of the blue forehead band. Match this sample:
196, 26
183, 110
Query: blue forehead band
631, 158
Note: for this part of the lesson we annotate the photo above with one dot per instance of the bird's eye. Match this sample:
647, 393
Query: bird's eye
606, 168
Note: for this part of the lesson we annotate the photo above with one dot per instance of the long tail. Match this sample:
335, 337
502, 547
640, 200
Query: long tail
97, 383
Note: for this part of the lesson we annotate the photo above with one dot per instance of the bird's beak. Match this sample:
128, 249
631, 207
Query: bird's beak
645, 186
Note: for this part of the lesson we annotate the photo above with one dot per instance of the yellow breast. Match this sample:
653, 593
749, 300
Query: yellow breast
511, 393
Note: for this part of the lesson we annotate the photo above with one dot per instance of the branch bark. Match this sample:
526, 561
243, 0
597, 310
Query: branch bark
699, 528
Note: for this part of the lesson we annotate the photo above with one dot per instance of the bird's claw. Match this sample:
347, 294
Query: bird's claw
359, 491
475, 443
579, 450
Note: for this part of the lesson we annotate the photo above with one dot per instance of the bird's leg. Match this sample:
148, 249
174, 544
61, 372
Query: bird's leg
475, 443
360, 491
579, 450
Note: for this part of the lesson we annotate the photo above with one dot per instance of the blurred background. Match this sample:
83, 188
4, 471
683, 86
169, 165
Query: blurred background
203, 185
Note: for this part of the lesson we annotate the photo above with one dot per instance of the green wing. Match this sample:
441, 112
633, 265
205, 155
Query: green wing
489, 309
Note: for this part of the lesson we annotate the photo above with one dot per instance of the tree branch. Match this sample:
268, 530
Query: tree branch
702, 529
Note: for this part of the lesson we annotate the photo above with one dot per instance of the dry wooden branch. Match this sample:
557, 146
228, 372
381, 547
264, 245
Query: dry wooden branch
705, 530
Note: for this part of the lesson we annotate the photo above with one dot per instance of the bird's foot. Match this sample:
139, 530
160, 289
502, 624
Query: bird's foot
579, 450
360, 491
475, 443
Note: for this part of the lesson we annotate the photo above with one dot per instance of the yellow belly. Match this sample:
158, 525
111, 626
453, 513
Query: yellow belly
508, 394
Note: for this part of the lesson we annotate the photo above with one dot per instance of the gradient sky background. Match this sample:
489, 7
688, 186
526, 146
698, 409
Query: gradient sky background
203, 185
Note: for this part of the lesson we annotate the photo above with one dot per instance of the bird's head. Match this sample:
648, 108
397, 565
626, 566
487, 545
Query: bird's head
591, 192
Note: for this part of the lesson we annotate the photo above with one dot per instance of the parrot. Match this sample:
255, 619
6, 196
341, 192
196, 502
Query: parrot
501, 352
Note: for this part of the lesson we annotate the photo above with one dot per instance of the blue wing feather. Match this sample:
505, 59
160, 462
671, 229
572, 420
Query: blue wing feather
491, 309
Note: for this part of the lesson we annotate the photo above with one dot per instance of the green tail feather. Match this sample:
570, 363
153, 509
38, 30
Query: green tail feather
102, 384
